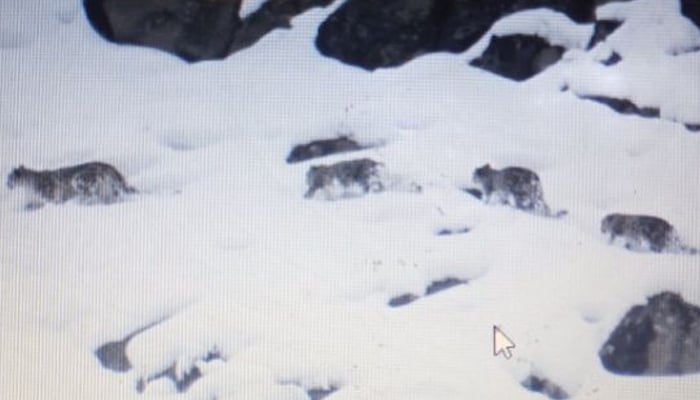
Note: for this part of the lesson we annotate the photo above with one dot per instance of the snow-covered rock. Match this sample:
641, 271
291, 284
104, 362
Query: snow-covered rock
659, 338
194, 30
375, 34
518, 57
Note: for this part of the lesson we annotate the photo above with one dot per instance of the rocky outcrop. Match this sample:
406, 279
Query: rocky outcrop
659, 338
692, 127
518, 57
626, 106
193, 30
322, 148
691, 10
385, 33
431, 289
601, 30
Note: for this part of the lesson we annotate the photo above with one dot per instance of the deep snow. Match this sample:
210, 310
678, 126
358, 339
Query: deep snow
222, 247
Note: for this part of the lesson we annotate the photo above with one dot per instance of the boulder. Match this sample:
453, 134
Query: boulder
112, 355
659, 338
452, 231
386, 33
318, 393
624, 106
612, 59
345, 179
518, 57
691, 10
193, 30
181, 379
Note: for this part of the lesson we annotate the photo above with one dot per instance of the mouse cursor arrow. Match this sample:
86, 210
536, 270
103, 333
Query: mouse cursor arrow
502, 343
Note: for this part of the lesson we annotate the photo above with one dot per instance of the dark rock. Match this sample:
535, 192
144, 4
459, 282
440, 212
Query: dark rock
320, 393
474, 192
379, 33
191, 29
451, 231
659, 338
321, 148
624, 106
544, 386
518, 57
112, 356
612, 60
691, 10
194, 30
385, 33
601, 30
403, 299
98, 19
443, 284
693, 127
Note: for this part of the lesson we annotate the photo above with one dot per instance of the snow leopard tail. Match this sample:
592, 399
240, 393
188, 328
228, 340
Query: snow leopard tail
547, 212
558, 214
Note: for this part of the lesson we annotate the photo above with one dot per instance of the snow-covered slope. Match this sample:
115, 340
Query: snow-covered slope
221, 251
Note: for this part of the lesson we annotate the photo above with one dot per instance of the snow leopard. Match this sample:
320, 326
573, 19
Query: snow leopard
515, 186
360, 173
89, 183
643, 233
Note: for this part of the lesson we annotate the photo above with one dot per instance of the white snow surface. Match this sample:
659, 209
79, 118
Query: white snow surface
223, 253
249, 6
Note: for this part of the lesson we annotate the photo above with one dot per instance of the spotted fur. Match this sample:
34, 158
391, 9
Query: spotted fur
88, 183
